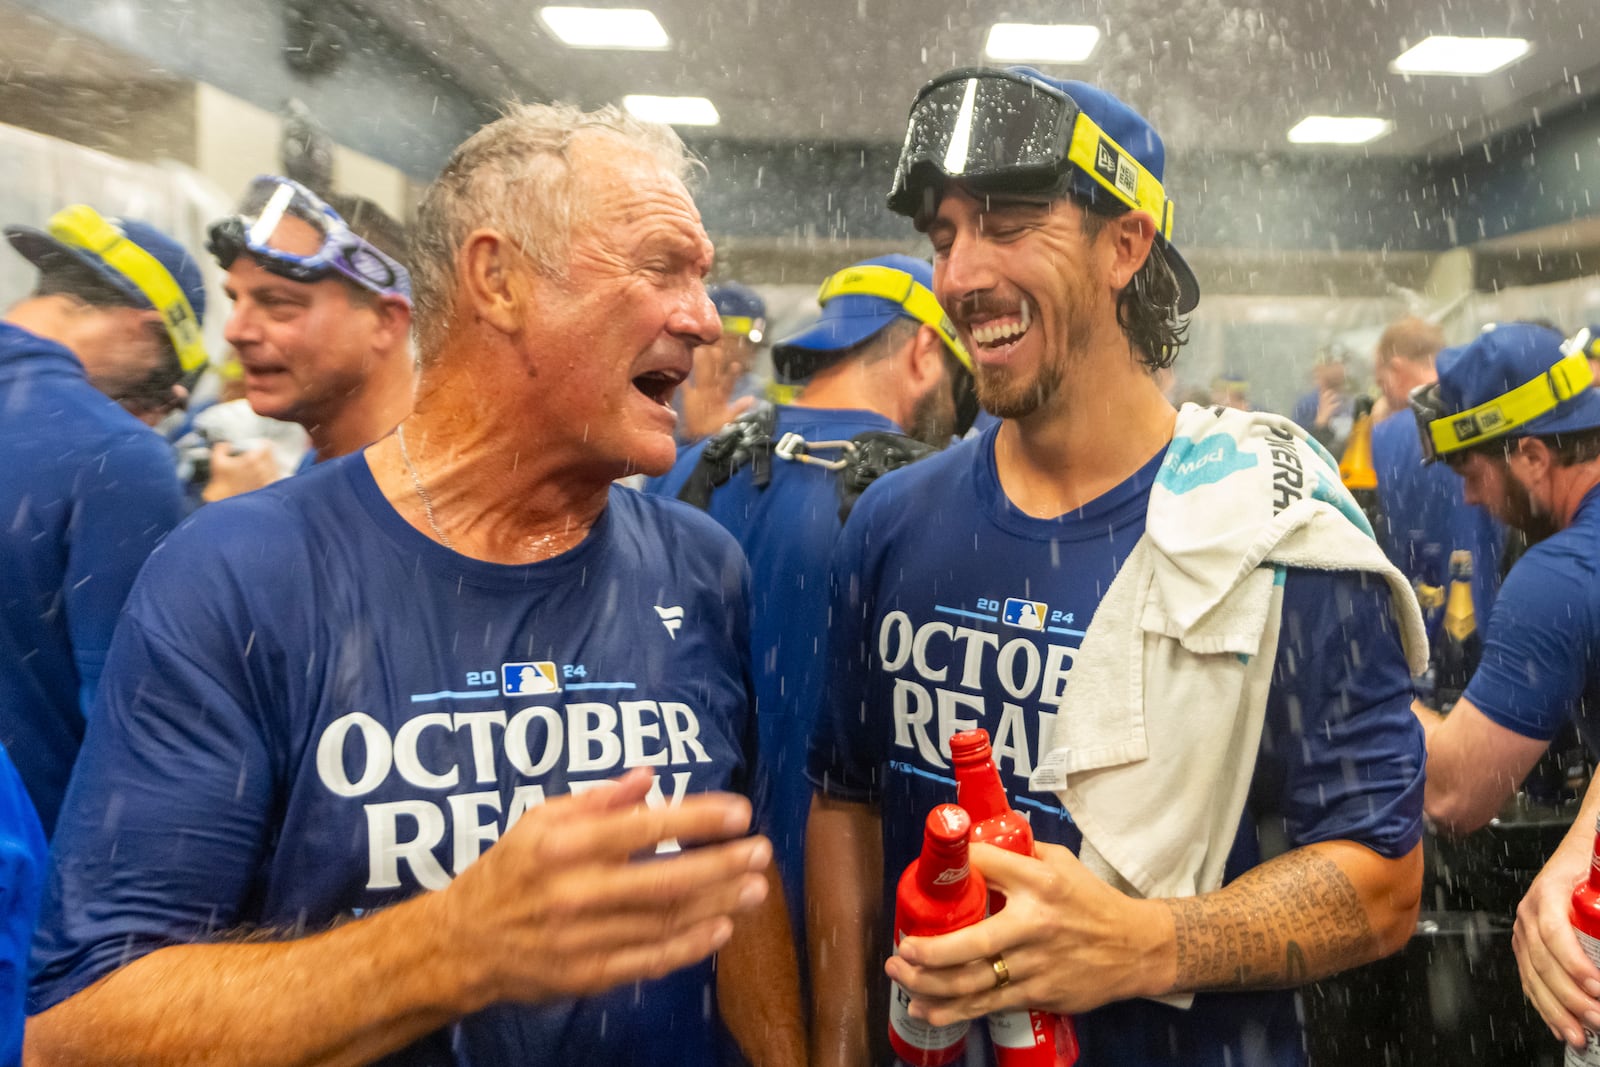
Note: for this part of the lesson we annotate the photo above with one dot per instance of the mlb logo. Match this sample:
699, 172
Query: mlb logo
524, 679
1025, 614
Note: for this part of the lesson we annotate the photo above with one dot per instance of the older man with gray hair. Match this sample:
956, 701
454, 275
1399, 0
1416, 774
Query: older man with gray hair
431, 755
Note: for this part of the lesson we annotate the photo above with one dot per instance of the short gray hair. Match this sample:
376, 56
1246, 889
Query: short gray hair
515, 176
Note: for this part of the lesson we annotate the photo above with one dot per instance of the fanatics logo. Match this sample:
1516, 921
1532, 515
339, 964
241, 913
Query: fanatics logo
523, 679
1025, 614
671, 618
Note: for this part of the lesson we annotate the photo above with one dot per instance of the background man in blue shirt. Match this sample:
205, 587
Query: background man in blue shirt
870, 364
1516, 415
90, 489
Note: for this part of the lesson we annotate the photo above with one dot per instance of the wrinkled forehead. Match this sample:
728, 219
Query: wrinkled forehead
624, 195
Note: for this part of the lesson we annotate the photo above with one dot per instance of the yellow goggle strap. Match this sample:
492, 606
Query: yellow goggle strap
743, 325
1124, 177
82, 227
1570, 376
899, 287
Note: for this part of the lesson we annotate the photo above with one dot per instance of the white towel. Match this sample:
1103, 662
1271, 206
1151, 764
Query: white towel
1155, 743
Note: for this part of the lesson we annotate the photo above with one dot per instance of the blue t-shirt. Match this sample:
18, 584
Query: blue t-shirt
1423, 517
954, 609
1541, 651
87, 491
787, 531
312, 710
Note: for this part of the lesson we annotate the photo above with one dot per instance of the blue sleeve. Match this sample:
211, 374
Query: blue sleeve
23, 856
123, 506
1342, 751
1535, 651
133, 870
843, 760
1305, 410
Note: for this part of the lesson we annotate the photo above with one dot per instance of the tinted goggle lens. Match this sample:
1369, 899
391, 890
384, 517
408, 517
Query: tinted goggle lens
1427, 408
983, 128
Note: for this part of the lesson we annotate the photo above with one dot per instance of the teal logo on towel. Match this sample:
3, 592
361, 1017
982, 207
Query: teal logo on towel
1334, 493
1192, 464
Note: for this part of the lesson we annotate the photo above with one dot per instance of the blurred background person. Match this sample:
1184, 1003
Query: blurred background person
321, 317
720, 388
877, 365
1327, 411
88, 490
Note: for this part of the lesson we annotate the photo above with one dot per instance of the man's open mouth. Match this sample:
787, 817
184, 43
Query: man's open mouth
1002, 331
658, 385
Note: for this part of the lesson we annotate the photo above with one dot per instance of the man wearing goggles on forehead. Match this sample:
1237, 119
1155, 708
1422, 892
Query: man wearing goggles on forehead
1516, 415
1019, 581
321, 316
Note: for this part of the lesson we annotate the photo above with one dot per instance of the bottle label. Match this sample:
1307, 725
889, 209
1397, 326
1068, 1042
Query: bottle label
916, 1033
1589, 1055
1018, 1029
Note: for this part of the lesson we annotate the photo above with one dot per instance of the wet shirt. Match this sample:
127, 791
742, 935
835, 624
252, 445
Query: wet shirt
1541, 651
787, 531
313, 711
1423, 517
86, 491
953, 609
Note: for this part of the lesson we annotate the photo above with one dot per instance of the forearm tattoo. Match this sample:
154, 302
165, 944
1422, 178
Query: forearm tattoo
1284, 923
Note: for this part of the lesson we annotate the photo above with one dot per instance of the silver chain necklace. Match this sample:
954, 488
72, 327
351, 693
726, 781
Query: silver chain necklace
416, 483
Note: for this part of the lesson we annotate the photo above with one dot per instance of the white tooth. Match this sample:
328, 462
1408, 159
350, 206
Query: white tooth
1025, 318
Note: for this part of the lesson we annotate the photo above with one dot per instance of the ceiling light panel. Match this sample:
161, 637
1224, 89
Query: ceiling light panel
1468, 56
1338, 129
1021, 42
605, 27
673, 110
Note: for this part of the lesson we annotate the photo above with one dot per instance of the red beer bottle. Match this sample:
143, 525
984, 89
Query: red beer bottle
938, 893
1586, 924
1020, 1038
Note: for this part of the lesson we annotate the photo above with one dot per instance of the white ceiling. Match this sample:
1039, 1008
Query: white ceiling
1212, 75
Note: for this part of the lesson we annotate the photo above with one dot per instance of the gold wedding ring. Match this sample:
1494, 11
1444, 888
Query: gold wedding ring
1002, 975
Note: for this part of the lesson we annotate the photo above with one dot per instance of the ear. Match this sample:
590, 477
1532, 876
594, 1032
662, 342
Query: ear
1536, 454
924, 362
393, 317
1130, 235
491, 274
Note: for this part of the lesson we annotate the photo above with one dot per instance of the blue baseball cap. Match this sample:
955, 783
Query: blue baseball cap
741, 309
44, 251
1503, 358
846, 321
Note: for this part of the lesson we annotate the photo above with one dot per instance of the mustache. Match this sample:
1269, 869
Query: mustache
983, 305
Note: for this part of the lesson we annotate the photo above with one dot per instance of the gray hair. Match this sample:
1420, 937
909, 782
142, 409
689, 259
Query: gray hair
515, 176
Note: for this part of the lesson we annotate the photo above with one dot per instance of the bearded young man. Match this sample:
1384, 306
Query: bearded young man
1119, 594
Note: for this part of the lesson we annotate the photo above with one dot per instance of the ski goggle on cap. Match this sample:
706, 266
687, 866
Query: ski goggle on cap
1513, 380
288, 229
1018, 131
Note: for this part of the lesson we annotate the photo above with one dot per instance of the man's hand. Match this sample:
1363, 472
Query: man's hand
1329, 402
1557, 978
233, 472
703, 402
1070, 943
571, 901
